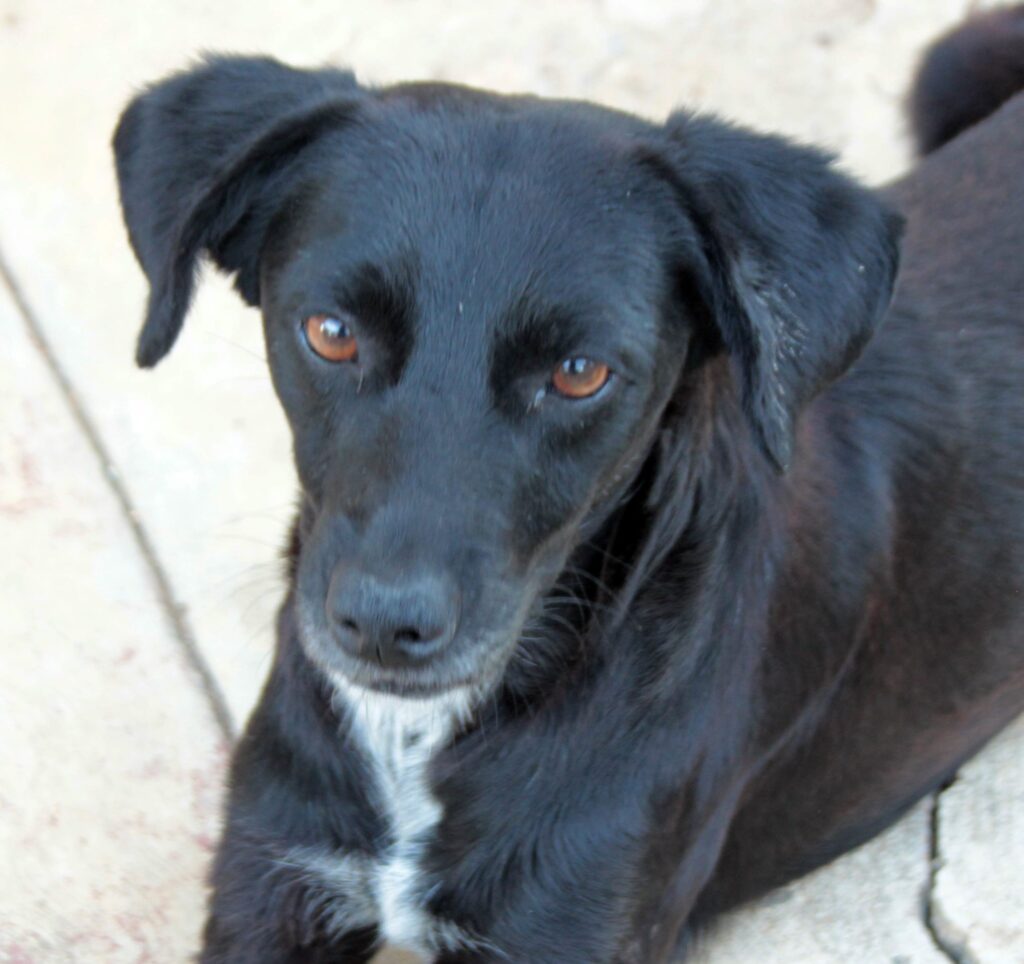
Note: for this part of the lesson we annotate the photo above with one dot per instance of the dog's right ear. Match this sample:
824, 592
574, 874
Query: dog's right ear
196, 155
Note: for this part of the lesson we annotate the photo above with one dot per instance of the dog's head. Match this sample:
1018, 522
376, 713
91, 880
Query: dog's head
478, 310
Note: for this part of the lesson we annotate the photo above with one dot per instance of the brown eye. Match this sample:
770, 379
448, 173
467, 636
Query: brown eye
580, 377
331, 338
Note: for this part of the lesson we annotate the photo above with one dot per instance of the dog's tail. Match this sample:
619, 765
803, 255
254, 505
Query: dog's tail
966, 74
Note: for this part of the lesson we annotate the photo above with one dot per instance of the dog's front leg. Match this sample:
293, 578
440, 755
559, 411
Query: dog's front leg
270, 907
224, 943
290, 880
587, 860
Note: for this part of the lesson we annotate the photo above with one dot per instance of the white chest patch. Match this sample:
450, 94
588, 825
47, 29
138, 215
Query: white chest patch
400, 735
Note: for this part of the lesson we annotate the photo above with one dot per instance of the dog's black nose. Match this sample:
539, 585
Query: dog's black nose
395, 622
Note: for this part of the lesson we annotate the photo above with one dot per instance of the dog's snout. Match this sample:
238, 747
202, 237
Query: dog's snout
400, 621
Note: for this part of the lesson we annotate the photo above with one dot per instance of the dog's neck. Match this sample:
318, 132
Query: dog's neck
398, 736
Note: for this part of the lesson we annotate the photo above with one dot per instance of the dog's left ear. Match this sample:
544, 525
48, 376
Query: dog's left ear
798, 263
200, 157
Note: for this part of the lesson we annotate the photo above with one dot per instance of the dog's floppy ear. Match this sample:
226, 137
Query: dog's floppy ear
798, 266
197, 155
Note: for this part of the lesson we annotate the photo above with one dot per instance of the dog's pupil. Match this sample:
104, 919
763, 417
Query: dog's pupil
580, 377
334, 328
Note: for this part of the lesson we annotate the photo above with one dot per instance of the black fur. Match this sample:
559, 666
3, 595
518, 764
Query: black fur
967, 74
732, 615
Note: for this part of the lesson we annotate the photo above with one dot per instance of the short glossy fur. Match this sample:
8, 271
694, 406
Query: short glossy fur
713, 626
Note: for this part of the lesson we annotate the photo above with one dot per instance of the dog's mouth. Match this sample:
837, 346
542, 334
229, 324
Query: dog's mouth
413, 689
386, 636
472, 668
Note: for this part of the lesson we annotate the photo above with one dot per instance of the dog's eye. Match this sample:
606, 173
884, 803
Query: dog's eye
331, 338
580, 377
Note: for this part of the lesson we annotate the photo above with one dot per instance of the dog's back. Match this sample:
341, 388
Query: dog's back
929, 424
963, 273
964, 200
962, 268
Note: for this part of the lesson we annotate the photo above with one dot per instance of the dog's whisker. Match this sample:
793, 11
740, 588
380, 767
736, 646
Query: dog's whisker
230, 381
242, 537
244, 349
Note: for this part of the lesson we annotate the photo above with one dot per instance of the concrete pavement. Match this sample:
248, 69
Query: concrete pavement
141, 513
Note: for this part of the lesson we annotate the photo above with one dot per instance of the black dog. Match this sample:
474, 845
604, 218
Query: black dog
612, 604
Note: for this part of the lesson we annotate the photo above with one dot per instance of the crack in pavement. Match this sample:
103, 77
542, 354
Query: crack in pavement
173, 609
951, 948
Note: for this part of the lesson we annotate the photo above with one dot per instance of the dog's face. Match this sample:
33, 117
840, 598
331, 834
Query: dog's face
476, 311
473, 341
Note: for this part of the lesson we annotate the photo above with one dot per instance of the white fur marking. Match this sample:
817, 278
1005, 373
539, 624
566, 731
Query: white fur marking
400, 735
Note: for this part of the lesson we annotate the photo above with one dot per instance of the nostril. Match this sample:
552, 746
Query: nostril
419, 635
393, 622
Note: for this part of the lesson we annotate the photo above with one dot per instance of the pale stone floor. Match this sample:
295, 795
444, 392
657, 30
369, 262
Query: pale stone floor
140, 514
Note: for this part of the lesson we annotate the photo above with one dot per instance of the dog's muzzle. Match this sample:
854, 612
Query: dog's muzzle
399, 621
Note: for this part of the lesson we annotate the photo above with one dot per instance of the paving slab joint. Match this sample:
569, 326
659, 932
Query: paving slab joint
173, 610
951, 947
